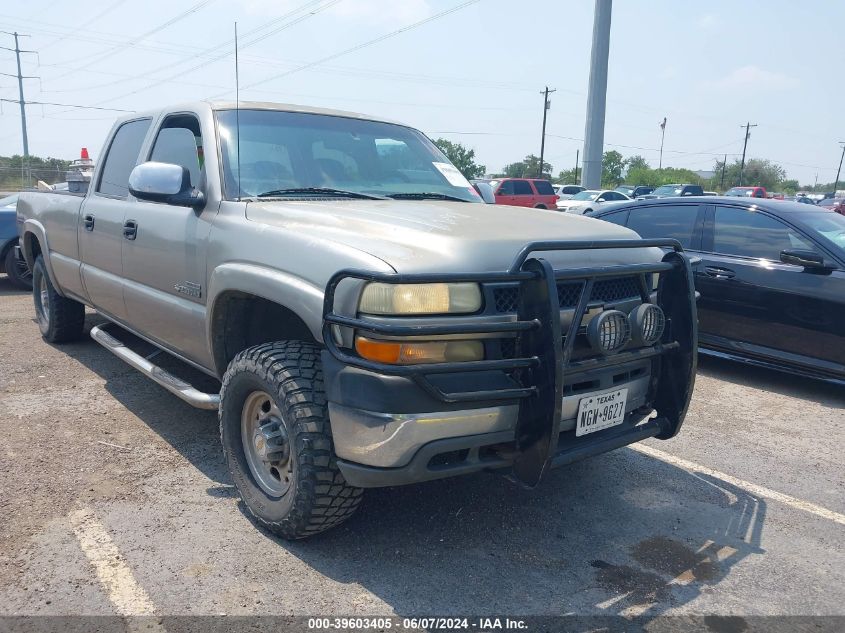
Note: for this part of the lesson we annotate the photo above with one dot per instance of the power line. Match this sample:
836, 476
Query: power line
85, 24
358, 47
66, 105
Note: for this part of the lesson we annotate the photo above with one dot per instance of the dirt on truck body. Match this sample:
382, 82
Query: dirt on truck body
371, 322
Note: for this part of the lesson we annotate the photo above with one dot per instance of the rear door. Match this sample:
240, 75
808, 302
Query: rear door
679, 221
754, 304
505, 193
164, 260
545, 193
101, 230
523, 193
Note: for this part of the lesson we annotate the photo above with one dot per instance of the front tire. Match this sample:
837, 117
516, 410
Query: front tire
18, 272
60, 319
277, 440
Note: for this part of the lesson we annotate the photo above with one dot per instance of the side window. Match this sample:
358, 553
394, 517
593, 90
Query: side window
619, 217
665, 220
522, 188
751, 234
179, 142
506, 189
121, 158
544, 187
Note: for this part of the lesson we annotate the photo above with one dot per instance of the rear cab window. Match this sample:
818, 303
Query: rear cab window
121, 158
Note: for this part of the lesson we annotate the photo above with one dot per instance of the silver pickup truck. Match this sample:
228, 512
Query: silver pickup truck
370, 320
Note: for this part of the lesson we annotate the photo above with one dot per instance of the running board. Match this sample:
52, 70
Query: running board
174, 385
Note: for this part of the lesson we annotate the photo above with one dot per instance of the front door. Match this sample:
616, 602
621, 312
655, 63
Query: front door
164, 261
101, 226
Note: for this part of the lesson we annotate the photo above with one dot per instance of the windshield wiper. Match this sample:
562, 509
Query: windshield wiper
426, 195
319, 191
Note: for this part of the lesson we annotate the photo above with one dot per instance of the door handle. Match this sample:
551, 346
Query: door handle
88, 222
719, 273
130, 229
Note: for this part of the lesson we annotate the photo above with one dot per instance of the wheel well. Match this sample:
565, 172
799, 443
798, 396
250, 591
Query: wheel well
541, 206
241, 320
32, 245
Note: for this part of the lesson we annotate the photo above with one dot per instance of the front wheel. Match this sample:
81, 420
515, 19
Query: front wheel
18, 272
60, 319
277, 440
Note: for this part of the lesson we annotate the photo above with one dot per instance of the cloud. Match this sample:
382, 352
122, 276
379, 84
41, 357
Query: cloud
754, 77
379, 12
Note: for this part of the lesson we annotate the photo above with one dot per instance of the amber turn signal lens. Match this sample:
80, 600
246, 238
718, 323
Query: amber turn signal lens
413, 353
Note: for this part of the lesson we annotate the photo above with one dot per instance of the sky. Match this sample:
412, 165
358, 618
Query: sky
470, 71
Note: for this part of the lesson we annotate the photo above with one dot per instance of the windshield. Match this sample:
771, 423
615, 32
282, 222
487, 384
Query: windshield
668, 190
827, 224
586, 195
295, 150
739, 192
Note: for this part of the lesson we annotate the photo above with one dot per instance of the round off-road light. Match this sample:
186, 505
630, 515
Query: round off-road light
609, 332
647, 324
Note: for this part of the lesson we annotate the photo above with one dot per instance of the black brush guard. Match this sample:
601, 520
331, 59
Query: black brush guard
543, 363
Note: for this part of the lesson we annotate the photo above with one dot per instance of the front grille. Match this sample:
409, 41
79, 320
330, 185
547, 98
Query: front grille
506, 298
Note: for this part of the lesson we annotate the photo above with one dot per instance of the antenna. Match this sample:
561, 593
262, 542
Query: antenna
237, 112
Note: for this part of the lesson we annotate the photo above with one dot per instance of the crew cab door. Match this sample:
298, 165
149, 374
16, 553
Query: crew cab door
164, 249
100, 228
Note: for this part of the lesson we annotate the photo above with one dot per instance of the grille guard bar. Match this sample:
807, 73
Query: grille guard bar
542, 364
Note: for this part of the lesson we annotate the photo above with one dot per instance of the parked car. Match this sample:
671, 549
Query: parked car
772, 277
588, 200
372, 323
805, 200
565, 192
747, 192
524, 192
710, 193
833, 204
674, 191
485, 190
634, 191
15, 268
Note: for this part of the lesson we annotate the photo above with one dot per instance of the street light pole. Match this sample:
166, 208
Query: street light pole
662, 136
577, 153
546, 105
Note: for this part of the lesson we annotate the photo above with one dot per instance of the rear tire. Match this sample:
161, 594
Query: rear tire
18, 272
541, 206
277, 440
60, 319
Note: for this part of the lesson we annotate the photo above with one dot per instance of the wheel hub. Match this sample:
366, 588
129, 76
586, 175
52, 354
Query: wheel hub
266, 444
271, 442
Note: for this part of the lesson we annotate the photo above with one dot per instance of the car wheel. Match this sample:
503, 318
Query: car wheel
18, 272
277, 440
60, 319
541, 206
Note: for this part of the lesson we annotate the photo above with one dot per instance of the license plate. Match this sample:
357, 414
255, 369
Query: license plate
600, 411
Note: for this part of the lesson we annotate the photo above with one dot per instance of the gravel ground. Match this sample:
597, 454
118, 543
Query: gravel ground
628, 532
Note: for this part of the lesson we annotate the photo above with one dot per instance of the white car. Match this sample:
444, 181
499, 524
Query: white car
589, 200
565, 192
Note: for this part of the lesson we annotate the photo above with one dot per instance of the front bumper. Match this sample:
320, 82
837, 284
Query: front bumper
398, 424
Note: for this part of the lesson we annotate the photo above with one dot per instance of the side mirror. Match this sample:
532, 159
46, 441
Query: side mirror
802, 257
164, 182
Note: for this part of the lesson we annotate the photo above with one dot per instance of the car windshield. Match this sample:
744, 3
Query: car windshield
295, 150
668, 190
827, 224
586, 195
739, 192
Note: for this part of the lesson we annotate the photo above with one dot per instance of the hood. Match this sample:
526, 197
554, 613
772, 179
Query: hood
437, 236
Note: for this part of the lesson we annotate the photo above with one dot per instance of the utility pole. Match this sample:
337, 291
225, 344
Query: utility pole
546, 105
747, 127
597, 96
662, 136
722, 181
17, 51
836, 182
577, 153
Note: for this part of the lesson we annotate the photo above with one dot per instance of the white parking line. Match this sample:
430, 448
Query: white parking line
127, 596
754, 489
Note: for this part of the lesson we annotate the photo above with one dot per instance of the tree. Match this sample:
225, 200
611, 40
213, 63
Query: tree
17, 172
758, 172
529, 167
461, 157
567, 176
636, 162
790, 186
612, 166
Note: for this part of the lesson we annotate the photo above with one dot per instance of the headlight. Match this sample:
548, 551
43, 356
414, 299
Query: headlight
648, 322
410, 299
413, 353
609, 332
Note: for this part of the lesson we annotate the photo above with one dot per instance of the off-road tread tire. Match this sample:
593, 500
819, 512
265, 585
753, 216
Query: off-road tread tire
10, 265
66, 318
322, 498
